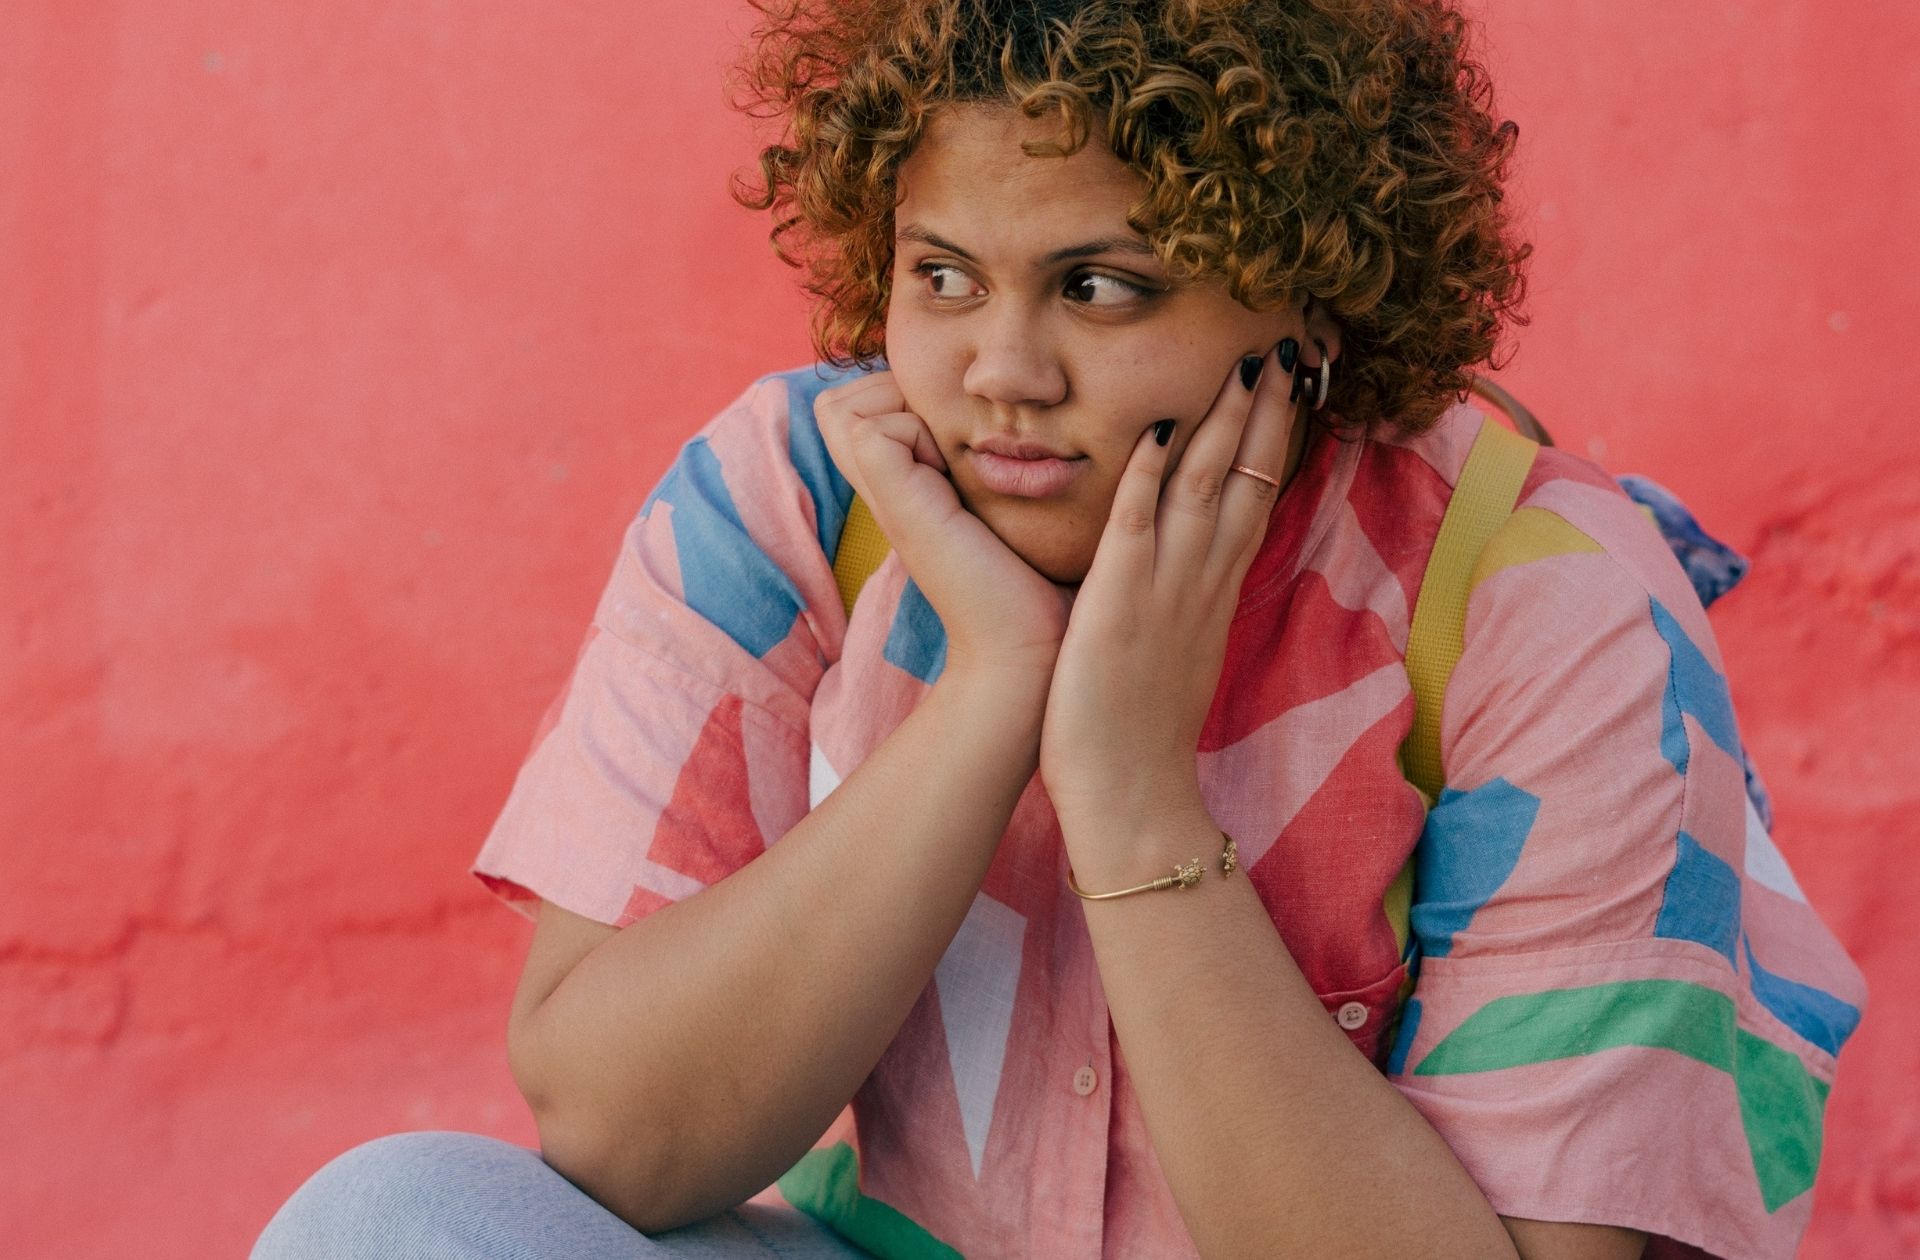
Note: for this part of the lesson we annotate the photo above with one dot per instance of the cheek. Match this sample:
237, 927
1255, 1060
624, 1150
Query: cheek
1150, 381
927, 366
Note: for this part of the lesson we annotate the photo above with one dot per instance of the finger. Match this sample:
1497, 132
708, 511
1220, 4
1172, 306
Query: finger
1190, 505
906, 485
1128, 544
842, 412
1246, 502
863, 395
925, 449
907, 430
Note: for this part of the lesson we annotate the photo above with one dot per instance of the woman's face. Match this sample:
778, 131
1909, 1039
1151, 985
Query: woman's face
1023, 306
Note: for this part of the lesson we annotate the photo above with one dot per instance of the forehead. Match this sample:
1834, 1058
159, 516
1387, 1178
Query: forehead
968, 172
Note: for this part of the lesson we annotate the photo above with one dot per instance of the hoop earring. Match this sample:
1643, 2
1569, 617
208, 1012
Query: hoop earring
1321, 379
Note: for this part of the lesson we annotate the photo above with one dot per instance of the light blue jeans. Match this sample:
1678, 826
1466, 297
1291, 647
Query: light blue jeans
442, 1195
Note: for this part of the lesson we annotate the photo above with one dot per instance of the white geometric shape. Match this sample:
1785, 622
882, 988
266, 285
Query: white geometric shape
1359, 579
1765, 863
821, 779
975, 983
664, 880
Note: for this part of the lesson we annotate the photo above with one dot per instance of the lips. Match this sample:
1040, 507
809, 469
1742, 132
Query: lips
1020, 448
1025, 478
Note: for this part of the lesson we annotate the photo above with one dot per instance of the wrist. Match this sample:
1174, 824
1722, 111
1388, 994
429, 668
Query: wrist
1019, 680
1120, 848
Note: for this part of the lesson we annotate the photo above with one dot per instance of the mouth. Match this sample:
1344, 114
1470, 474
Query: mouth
1026, 478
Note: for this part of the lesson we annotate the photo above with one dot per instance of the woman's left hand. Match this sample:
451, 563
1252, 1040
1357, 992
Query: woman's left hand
1141, 659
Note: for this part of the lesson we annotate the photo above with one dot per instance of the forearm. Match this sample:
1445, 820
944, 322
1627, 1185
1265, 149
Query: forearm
696, 1054
1275, 1135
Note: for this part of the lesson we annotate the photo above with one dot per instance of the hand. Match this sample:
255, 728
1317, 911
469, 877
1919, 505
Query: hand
1140, 663
998, 611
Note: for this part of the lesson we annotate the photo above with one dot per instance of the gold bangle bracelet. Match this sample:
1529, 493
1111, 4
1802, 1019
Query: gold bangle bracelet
1184, 875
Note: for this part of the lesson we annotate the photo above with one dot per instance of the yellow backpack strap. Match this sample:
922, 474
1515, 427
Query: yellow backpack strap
1482, 500
862, 548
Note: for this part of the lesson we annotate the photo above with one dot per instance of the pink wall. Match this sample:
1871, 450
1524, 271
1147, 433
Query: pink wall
338, 342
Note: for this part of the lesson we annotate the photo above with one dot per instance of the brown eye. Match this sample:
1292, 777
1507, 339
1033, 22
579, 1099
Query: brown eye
1093, 288
944, 281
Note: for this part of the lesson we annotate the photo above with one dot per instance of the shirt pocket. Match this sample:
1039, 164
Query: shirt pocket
1367, 1014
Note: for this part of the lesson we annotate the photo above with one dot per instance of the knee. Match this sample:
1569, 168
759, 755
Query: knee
411, 1194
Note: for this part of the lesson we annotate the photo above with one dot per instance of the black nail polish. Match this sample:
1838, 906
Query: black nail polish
1250, 369
1162, 431
1289, 353
1299, 383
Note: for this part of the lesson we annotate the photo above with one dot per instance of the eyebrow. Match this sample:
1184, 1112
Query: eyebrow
1087, 249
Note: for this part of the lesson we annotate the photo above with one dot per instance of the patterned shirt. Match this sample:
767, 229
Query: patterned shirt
1609, 995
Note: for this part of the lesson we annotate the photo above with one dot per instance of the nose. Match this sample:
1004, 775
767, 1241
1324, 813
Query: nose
1014, 361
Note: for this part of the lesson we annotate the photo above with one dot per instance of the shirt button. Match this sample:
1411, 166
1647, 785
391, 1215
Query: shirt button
1084, 1080
1351, 1015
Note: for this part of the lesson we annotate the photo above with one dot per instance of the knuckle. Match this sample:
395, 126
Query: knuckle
1264, 492
1203, 485
1134, 520
851, 397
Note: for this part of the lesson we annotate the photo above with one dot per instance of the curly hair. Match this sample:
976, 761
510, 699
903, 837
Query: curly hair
1344, 149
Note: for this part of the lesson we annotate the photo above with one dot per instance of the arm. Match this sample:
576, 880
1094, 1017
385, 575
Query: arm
763, 953
1275, 1134
692, 1057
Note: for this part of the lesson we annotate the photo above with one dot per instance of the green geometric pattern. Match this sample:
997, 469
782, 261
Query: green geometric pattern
1781, 1103
825, 1184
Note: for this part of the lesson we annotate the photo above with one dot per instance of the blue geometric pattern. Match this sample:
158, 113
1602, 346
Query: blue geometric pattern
1815, 1014
917, 642
726, 577
1713, 568
1702, 900
1696, 688
1471, 842
832, 493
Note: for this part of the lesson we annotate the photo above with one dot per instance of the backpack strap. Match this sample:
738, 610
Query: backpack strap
1481, 502
862, 548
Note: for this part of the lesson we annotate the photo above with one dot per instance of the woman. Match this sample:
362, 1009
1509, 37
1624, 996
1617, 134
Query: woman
1176, 301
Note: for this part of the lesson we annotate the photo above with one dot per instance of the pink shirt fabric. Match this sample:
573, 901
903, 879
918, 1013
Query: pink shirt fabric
1610, 997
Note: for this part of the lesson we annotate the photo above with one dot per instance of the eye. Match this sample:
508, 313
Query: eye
1094, 288
944, 280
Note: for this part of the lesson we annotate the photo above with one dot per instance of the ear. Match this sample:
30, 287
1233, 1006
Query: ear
1322, 326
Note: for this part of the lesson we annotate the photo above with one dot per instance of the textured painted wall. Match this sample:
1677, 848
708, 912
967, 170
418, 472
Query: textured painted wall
338, 343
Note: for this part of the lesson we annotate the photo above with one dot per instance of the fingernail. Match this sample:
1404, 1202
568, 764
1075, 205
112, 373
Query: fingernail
1289, 353
1299, 382
1250, 369
1162, 431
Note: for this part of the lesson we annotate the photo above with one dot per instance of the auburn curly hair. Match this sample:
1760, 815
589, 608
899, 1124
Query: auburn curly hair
1343, 149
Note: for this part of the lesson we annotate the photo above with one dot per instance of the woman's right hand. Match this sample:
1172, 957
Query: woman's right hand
999, 612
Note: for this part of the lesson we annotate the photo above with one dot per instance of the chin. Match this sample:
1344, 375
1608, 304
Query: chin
1070, 572
1058, 559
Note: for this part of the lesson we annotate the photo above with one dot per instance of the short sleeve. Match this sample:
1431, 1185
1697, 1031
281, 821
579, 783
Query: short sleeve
1624, 1012
678, 748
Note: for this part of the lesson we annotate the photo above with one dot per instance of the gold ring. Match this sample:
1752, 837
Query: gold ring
1255, 472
